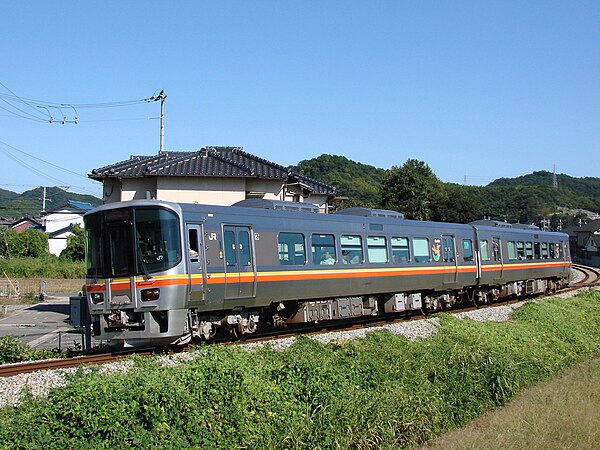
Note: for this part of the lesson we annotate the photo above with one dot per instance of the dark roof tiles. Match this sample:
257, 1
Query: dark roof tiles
209, 161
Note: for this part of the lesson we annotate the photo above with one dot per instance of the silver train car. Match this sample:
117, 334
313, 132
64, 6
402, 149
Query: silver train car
161, 273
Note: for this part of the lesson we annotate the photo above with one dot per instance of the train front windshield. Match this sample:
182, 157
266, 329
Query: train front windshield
131, 241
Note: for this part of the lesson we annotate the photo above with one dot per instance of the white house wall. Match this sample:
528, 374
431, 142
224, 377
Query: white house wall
205, 190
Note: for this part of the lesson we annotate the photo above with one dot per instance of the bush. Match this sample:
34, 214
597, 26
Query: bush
381, 391
13, 351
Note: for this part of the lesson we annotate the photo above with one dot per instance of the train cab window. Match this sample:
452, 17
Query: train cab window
323, 249
468, 250
528, 250
520, 250
400, 250
377, 249
512, 250
544, 250
485, 253
291, 249
352, 252
421, 249
537, 254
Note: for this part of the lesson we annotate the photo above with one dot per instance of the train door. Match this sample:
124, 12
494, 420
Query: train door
449, 257
196, 262
497, 257
240, 271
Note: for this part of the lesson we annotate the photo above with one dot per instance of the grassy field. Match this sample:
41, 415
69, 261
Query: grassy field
557, 414
379, 392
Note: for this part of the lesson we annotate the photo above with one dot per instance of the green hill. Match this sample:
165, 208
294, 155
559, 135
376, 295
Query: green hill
29, 203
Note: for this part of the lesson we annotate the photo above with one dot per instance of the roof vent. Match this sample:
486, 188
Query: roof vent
367, 212
277, 204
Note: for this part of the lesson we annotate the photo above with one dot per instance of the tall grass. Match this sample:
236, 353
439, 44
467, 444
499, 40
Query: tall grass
43, 267
378, 392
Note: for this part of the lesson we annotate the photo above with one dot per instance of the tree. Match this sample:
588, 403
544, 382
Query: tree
29, 243
410, 189
75, 249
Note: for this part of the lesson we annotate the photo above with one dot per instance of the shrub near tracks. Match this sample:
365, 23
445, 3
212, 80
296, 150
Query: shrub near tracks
380, 392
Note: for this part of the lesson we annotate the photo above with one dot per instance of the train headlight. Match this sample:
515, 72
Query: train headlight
150, 294
97, 297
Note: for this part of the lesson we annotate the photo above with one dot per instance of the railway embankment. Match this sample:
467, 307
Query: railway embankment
383, 390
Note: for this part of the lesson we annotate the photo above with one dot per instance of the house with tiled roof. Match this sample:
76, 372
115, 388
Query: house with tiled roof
58, 223
212, 175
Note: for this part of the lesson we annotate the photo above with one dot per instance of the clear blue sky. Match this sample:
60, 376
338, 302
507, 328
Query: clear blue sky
477, 89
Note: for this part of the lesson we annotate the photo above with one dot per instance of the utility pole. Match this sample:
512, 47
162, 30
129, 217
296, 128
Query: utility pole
162, 96
554, 179
44, 199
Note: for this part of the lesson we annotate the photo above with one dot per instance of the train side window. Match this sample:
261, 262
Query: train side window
467, 249
528, 250
421, 249
377, 249
520, 250
552, 247
512, 250
400, 250
485, 253
291, 249
352, 252
193, 241
496, 249
544, 250
557, 251
323, 249
536, 250
244, 237
229, 244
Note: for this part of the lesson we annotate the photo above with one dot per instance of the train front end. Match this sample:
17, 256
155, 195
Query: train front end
136, 283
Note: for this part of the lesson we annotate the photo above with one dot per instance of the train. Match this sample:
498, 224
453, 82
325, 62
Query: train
161, 273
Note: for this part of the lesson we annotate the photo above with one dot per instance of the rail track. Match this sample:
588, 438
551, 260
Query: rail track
589, 277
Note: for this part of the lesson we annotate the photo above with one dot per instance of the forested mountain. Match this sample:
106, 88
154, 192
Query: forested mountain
526, 199
359, 182
29, 203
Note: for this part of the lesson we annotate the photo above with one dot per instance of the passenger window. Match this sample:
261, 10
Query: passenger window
512, 252
536, 250
352, 252
377, 249
520, 250
544, 250
421, 249
468, 250
485, 254
557, 252
528, 250
323, 249
552, 247
400, 250
291, 249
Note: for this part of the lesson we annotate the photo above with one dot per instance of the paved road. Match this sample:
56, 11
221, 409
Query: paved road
45, 325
